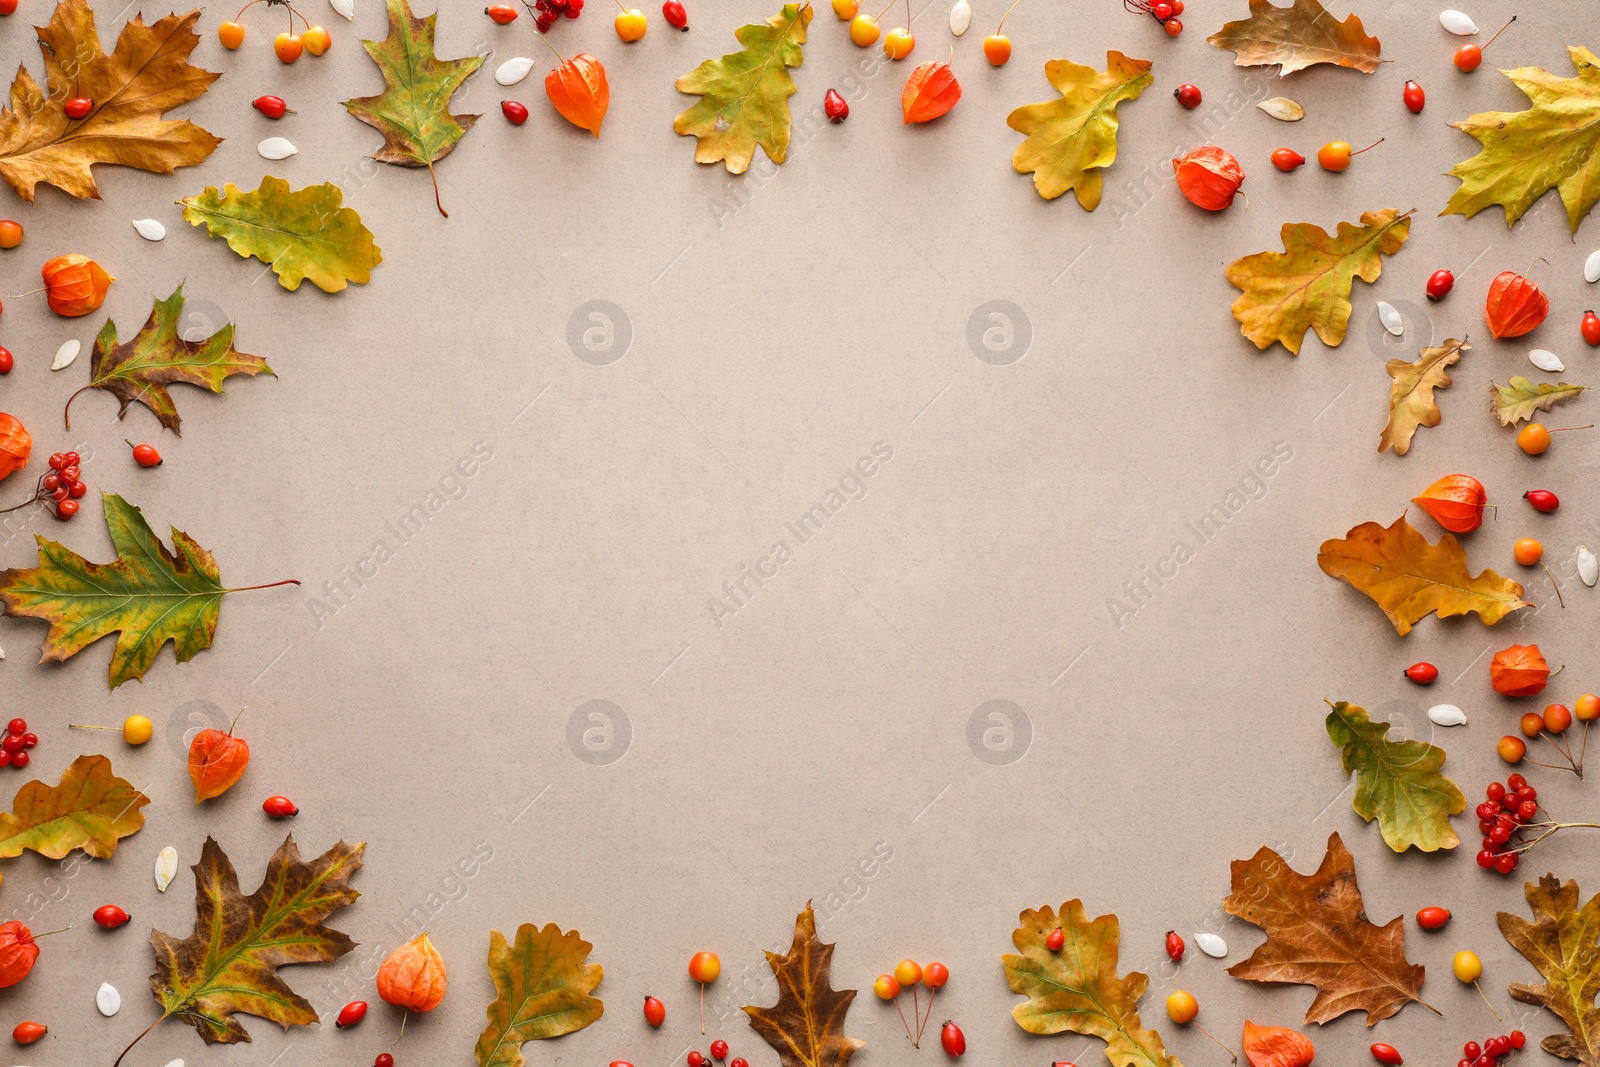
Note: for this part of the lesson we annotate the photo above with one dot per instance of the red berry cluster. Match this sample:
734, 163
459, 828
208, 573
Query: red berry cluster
1501, 818
545, 12
1165, 12
14, 748
1488, 1054
63, 484
719, 1052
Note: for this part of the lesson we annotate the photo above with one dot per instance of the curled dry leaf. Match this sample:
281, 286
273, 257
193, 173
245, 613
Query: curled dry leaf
806, 1026
1563, 945
1519, 398
1519, 671
1276, 1046
579, 92
1069, 141
1411, 400
931, 90
1284, 110
1398, 783
1296, 37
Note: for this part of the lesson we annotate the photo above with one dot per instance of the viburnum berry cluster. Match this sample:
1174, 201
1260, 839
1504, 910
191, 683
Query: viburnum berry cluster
14, 747
1501, 818
545, 12
1492, 1050
719, 1053
61, 486
1165, 12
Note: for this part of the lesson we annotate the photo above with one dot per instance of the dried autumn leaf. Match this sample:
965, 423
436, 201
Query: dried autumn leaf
1078, 988
91, 809
931, 90
1525, 154
806, 1026
579, 92
413, 111
1276, 1046
744, 96
1563, 944
1411, 401
1297, 37
229, 965
1307, 286
147, 596
1410, 578
1397, 782
1318, 935
146, 75
142, 368
1070, 141
1519, 398
542, 987
302, 234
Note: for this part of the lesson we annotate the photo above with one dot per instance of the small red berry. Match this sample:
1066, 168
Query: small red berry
953, 1040
1433, 918
1173, 27
78, 107
515, 113
719, 1049
1174, 946
384, 1060
1287, 159
8, 7
1423, 673
835, 106
146, 456
5, 758
1414, 97
7, 361
272, 106
17, 726
1518, 1038
27, 1033
57, 461
655, 1012
1055, 940
1506, 862
1162, 10
676, 16
696, 1058
1542, 500
351, 1014
19, 759
1386, 1054
1590, 328
1188, 95
1440, 282
740, 1061
110, 916
504, 14
279, 807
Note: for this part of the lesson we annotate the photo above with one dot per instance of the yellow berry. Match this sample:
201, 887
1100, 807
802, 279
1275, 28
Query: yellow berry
1467, 966
1533, 439
704, 967
846, 9
631, 24
863, 30
231, 34
317, 40
908, 972
1182, 1007
1511, 748
997, 49
136, 729
1335, 155
899, 43
1532, 724
887, 987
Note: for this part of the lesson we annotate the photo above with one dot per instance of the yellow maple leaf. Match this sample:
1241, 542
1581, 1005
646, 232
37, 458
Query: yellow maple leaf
1411, 402
1408, 577
1071, 140
148, 73
1307, 285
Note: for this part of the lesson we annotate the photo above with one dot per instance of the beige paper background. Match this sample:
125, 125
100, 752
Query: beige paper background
780, 326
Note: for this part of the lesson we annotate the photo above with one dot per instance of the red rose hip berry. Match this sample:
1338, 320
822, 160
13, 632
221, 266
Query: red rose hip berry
109, 916
279, 807
1187, 95
351, 1014
953, 1040
515, 113
1423, 673
1440, 282
836, 106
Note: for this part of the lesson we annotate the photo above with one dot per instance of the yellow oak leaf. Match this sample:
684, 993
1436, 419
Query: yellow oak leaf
1296, 37
91, 809
1071, 140
1408, 577
1411, 402
1519, 398
1525, 154
303, 233
1563, 944
1307, 285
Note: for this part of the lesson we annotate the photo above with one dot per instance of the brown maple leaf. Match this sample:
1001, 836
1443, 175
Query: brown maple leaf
1297, 37
148, 74
806, 1026
1563, 944
1318, 934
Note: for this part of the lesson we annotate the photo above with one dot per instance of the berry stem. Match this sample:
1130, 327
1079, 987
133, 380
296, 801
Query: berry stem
916, 1042
1485, 997
923, 1025
1371, 146
1498, 32
1559, 598
901, 1012
703, 1010
1231, 1054
1001, 28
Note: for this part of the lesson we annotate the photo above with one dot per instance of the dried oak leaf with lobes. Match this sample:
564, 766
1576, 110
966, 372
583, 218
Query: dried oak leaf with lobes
542, 987
1307, 285
1410, 578
142, 368
1411, 401
806, 1026
91, 809
148, 73
1318, 935
1563, 944
744, 96
1519, 398
1397, 782
301, 234
1072, 140
1297, 37
1078, 988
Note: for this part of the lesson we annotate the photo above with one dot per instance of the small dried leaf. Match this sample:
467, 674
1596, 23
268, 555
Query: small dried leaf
276, 148
1072, 139
1398, 783
1546, 360
1211, 945
806, 1026
1411, 399
1563, 945
1284, 110
149, 229
1457, 22
166, 868
1519, 398
513, 71
66, 354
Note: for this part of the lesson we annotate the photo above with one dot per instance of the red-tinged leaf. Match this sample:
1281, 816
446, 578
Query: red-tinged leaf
931, 90
579, 91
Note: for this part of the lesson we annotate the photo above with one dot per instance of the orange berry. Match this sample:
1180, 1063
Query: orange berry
231, 34
1532, 724
1528, 551
997, 49
899, 43
1586, 708
908, 972
289, 46
887, 987
317, 40
1557, 718
1182, 1007
1512, 748
863, 30
10, 233
704, 967
1533, 439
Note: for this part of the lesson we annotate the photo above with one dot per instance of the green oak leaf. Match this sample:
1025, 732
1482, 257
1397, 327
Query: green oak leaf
147, 596
302, 234
542, 987
1397, 782
413, 111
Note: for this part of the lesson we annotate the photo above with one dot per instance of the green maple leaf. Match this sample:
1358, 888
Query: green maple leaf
1397, 782
142, 368
744, 96
301, 234
148, 596
413, 111
543, 987
1525, 154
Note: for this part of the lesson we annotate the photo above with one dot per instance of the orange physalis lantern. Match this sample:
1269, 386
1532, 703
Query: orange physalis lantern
931, 91
18, 951
74, 284
579, 91
1276, 1046
1519, 671
15, 445
1515, 305
412, 977
1455, 501
1210, 177
216, 761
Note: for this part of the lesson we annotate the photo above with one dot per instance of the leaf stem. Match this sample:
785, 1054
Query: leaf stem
269, 585
437, 202
138, 1039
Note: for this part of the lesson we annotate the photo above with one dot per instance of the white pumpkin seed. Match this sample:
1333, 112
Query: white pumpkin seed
107, 999
1458, 22
166, 868
513, 70
960, 17
276, 148
1211, 945
347, 8
1283, 109
149, 229
66, 354
1591, 267
1588, 566
175, 1063
1447, 715
1390, 317
1546, 360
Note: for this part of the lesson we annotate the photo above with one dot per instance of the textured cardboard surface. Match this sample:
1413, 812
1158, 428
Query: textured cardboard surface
819, 333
